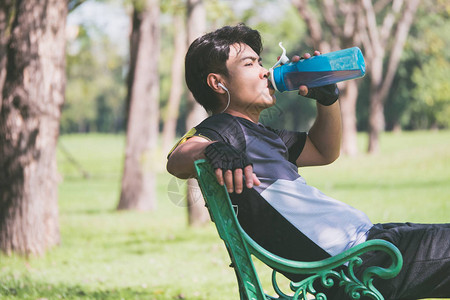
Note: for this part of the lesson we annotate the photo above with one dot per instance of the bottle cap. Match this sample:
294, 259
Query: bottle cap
282, 60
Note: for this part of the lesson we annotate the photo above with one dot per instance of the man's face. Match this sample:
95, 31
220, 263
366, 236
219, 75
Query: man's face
247, 81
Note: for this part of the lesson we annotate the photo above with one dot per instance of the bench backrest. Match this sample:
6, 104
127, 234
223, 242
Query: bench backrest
222, 214
240, 246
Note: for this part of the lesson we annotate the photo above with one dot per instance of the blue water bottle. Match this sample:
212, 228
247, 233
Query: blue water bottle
318, 70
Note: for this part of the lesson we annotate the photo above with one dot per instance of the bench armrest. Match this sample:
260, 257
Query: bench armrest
240, 246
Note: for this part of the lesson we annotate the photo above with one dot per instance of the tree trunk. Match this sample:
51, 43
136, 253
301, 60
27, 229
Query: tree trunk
6, 8
176, 89
348, 97
376, 121
31, 100
138, 181
378, 40
196, 25
340, 23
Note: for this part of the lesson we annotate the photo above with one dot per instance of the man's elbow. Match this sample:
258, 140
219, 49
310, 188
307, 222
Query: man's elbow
176, 171
331, 158
169, 168
172, 169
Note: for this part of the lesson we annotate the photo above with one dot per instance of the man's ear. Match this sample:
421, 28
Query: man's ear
213, 81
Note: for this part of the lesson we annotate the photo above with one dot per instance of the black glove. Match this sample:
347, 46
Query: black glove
325, 95
224, 156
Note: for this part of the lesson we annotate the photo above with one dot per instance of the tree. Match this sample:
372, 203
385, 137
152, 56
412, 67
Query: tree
419, 98
196, 25
431, 107
95, 93
383, 30
370, 24
333, 29
138, 181
6, 13
177, 82
32, 83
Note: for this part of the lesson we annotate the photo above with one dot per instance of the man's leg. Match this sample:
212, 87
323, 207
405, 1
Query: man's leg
426, 260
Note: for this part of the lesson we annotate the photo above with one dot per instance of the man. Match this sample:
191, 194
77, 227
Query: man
259, 167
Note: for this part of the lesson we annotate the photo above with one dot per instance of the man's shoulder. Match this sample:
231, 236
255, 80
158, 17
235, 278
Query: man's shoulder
225, 127
218, 122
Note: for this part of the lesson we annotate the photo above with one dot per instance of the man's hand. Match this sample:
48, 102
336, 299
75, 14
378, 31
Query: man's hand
325, 95
230, 165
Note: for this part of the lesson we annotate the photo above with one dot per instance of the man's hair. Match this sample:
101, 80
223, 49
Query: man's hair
209, 53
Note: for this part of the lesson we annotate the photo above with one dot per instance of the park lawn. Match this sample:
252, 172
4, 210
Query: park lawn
106, 254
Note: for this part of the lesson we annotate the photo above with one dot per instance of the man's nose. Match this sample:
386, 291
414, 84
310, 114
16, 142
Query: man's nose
264, 73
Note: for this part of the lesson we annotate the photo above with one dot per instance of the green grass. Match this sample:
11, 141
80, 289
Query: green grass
407, 181
105, 254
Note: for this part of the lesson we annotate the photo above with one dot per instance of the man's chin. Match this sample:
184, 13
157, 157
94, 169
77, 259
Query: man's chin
266, 105
270, 101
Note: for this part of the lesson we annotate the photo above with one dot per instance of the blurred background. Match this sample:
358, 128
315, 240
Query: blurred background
93, 98
98, 48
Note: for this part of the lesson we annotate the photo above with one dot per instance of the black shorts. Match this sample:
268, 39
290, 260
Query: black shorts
426, 260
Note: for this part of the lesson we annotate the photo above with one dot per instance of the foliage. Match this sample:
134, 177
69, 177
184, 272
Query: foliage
431, 77
73, 4
420, 98
283, 24
105, 254
95, 90
168, 10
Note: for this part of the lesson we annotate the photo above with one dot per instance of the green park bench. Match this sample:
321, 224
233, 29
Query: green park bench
240, 248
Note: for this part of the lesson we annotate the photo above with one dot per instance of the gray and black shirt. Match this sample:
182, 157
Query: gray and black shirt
284, 214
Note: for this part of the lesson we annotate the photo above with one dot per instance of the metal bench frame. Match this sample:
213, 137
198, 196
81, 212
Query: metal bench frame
240, 247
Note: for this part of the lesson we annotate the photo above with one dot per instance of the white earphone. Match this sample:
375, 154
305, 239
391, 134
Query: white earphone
226, 90
222, 86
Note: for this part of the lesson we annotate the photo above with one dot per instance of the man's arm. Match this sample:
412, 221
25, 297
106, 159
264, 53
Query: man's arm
181, 164
323, 143
181, 161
